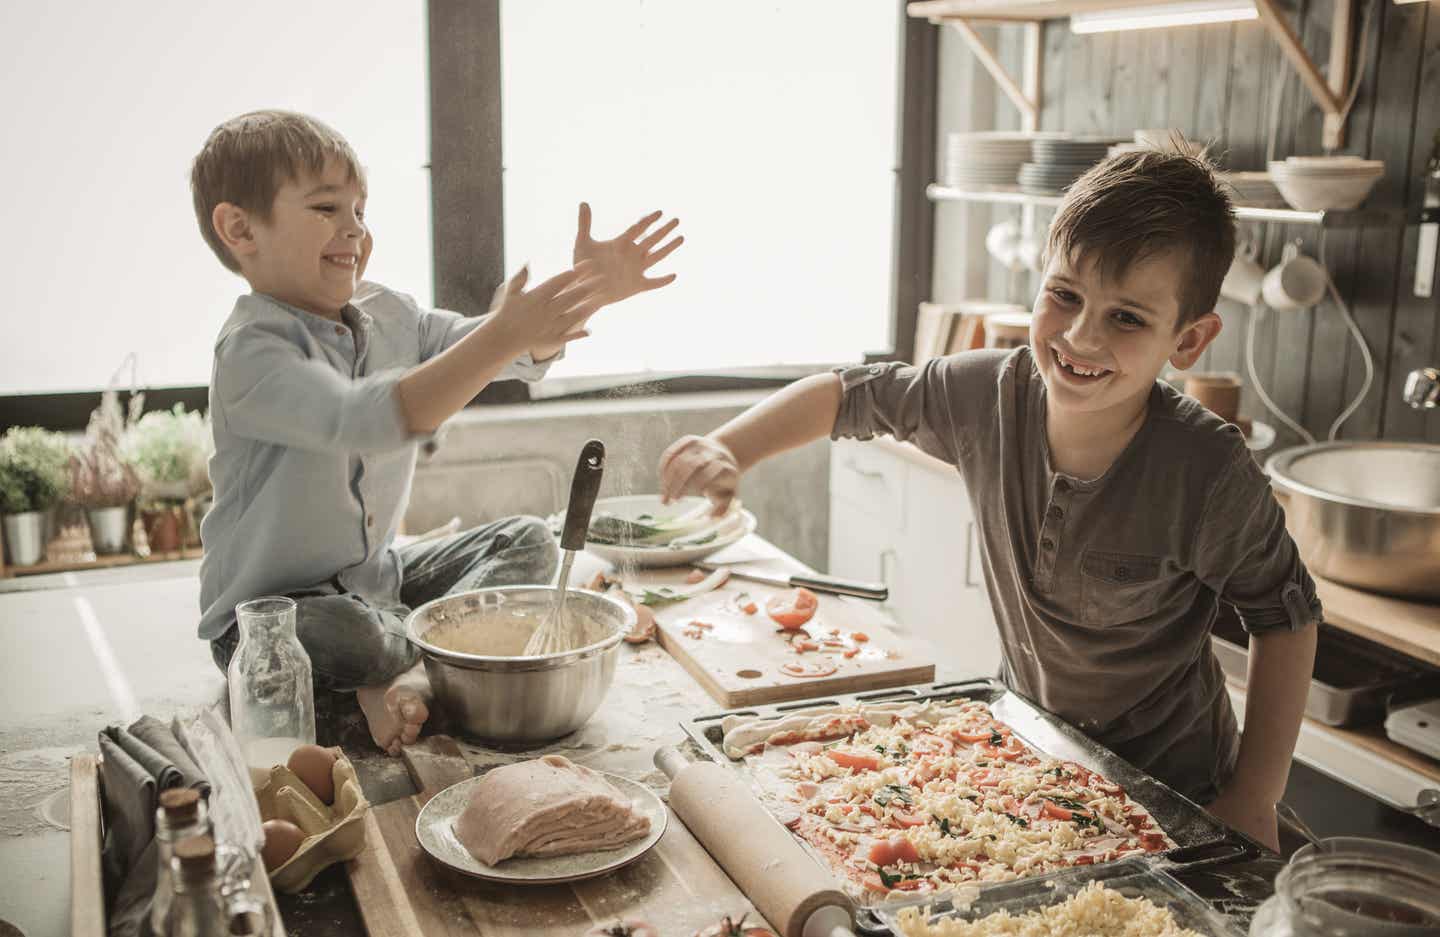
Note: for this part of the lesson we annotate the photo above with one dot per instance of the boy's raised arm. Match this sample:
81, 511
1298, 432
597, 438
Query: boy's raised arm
711, 465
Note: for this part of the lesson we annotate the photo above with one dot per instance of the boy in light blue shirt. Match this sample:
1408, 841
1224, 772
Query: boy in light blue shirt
323, 385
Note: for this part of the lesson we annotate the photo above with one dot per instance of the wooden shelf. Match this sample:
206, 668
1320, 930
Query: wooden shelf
1327, 87
104, 562
1324, 219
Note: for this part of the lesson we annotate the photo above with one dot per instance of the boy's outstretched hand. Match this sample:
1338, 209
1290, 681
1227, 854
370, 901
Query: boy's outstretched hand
623, 260
552, 314
702, 466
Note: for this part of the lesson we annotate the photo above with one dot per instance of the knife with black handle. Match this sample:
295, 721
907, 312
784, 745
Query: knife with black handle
815, 582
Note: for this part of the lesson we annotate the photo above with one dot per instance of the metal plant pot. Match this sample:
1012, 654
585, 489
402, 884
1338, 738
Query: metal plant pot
109, 529
25, 537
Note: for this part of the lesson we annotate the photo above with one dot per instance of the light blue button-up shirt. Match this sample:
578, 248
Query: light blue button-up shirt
313, 461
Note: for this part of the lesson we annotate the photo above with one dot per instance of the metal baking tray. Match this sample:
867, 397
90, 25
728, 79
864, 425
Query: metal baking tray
1130, 877
1353, 677
1200, 838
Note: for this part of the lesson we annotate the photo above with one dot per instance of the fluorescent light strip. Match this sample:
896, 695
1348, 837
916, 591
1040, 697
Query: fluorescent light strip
1165, 14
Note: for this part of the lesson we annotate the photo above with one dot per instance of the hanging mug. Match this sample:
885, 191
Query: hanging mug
1245, 278
1297, 282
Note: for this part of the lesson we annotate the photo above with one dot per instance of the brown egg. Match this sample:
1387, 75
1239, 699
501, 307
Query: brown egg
315, 766
282, 838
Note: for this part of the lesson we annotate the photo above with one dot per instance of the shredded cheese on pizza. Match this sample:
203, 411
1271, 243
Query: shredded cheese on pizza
923, 798
1094, 911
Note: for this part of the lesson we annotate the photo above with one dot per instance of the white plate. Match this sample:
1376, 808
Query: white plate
434, 827
632, 506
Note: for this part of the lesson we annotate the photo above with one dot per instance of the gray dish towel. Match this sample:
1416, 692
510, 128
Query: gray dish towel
158, 736
137, 765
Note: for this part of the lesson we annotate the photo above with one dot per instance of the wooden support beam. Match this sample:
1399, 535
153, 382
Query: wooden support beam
1030, 81
1029, 107
1341, 32
1279, 28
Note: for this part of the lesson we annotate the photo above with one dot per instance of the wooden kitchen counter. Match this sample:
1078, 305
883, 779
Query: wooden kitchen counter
1411, 628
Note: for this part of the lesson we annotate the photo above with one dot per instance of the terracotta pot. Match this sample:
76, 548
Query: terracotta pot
164, 529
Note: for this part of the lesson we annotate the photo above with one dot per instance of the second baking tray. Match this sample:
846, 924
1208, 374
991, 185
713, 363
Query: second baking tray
1132, 878
1352, 679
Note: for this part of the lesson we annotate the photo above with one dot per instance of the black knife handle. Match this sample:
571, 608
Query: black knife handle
876, 591
584, 486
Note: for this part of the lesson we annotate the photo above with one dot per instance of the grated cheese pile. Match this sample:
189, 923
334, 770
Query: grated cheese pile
1094, 911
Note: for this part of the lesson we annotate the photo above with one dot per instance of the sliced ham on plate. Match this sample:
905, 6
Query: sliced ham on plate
546, 807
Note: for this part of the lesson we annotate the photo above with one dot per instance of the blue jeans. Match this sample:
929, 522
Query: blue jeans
353, 643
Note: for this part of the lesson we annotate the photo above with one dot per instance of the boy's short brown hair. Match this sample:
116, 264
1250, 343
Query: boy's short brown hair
247, 159
1135, 205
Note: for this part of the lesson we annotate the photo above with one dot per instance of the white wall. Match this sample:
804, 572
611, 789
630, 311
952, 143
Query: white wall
106, 104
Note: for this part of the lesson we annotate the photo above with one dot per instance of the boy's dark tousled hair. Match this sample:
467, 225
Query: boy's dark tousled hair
1135, 205
248, 158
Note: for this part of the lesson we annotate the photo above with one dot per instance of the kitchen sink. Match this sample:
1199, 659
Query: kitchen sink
1366, 514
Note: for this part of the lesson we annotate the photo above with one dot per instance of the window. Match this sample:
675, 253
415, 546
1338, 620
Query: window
107, 103
767, 128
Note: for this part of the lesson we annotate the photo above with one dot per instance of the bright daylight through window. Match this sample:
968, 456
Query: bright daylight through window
767, 128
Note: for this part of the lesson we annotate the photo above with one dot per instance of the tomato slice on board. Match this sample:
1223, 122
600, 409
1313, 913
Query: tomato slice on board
792, 609
815, 667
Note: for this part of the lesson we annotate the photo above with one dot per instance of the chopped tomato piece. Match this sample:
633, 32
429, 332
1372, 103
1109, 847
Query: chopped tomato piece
749, 608
890, 851
984, 777
802, 646
1051, 809
979, 735
822, 667
857, 760
859, 637
851, 652
792, 609
696, 575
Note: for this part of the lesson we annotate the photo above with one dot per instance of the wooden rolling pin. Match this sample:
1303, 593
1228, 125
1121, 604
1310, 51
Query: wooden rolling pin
784, 883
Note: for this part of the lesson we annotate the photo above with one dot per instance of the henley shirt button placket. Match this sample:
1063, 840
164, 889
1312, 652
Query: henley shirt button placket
1047, 544
369, 520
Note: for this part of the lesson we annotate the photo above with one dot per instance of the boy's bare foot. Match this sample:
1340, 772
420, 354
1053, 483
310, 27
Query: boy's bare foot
397, 710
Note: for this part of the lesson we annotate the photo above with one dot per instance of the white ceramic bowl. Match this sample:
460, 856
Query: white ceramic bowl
632, 506
1323, 191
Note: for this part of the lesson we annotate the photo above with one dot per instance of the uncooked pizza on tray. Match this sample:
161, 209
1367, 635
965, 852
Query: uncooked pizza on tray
925, 796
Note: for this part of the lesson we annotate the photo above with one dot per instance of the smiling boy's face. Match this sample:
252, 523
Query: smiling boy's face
308, 253
1099, 343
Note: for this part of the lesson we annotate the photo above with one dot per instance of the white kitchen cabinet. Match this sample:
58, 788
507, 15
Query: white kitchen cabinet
903, 518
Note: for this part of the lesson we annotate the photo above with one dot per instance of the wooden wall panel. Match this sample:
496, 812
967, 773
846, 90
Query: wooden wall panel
1229, 84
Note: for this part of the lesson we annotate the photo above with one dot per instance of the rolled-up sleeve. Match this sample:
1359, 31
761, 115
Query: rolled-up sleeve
265, 388
909, 403
441, 328
1248, 557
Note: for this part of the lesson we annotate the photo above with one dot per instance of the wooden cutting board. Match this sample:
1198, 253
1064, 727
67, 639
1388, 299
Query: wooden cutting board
402, 892
739, 658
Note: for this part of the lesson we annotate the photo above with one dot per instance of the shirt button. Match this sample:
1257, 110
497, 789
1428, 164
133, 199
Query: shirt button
1061, 485
369, 520
1055, 512
1047, 544
1122, 573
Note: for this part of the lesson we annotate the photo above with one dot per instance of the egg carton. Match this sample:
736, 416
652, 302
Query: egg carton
333, 832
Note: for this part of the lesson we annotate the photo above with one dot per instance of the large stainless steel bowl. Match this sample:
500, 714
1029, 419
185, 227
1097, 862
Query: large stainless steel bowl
521, 699
1366, 514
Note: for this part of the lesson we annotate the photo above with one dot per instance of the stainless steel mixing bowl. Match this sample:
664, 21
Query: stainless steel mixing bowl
521, 699
1366, 514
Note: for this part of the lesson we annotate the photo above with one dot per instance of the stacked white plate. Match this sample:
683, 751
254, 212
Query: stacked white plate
985, 160
1059, 161
1254, 189
1326, 183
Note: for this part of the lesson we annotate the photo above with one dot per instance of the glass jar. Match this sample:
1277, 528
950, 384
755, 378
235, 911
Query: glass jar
272, 695
181, 814
196, 908
1352, 887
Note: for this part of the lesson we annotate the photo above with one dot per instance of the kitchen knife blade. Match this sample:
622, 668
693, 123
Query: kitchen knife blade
875, 591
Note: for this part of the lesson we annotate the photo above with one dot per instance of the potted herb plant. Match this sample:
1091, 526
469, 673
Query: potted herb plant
169, 449
102, 480
34, 477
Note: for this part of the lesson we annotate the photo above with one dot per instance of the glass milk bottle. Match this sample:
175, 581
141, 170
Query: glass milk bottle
272, 696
